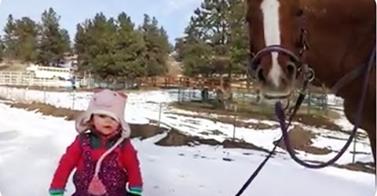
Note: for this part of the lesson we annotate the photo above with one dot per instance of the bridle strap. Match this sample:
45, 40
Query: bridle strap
270, 49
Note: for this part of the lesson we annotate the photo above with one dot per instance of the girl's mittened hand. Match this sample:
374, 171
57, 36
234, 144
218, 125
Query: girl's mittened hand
132, 194
135, 191
56, 192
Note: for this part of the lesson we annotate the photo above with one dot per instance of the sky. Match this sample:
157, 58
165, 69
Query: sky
170, 171
173, 15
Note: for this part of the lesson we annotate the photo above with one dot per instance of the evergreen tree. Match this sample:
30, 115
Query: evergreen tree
238, 37
26, 34
81, 46
2, 49
157, 47
10, 40
102, 47
21, 39
130, 48
197, 58
218, 24
55, 42
110, 49
113, 50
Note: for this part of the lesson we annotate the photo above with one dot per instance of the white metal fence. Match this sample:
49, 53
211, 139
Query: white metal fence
22, 78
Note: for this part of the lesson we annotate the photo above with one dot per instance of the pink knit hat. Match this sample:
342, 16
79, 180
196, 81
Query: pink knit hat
105, 102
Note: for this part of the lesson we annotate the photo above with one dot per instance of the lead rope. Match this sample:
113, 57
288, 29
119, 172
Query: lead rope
299, 101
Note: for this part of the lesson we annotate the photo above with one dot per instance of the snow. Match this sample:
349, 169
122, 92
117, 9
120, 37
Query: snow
31, 145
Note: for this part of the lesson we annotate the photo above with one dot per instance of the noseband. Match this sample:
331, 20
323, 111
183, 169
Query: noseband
298, 62
253, 64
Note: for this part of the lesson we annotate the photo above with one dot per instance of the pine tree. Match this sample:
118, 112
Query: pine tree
130, 49
157, 47
26, 34
238, 38
81, 46
55, 42
102, 47
113, 50
21, 39
2, 49
218, 24
10, 38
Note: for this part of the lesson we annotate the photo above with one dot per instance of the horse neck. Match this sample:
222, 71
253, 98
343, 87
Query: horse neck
340, 37
338, 43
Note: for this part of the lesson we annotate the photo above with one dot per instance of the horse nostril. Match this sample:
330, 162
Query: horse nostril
260, 75
291, 69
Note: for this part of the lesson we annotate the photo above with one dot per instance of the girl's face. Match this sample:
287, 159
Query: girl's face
105, 125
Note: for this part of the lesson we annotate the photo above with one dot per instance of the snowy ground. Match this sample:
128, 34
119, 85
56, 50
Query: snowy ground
31, 144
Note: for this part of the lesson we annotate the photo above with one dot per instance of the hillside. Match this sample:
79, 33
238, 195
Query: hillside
8, 65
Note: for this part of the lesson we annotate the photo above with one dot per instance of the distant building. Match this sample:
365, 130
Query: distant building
70, 60
48, 72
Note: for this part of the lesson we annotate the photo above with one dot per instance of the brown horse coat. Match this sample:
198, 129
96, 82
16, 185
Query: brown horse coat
340, 35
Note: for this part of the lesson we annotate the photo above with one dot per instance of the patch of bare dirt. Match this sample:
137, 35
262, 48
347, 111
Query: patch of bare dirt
242, 144
359, 166
12, 65
145, 130
301, 139
368, 167
176, 138
317, 121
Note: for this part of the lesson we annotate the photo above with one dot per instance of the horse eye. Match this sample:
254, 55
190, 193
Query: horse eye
299, 12
292, 59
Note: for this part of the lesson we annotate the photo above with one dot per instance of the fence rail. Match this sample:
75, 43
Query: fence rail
22, 78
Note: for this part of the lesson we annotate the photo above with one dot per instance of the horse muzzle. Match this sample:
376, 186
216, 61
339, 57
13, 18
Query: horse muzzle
278, 84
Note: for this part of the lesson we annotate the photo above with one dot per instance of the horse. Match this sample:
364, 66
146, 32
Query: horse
330, 41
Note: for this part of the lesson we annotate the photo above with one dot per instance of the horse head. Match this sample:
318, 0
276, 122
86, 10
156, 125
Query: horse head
284, 35
275, 43
334, 38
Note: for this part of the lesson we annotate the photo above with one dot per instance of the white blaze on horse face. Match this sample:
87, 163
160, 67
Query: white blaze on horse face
270, 11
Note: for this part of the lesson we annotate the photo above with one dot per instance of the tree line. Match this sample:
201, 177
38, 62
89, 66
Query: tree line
108, 48
214, 42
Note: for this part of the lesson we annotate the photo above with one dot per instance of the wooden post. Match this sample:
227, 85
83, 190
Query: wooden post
159, 115
234, 121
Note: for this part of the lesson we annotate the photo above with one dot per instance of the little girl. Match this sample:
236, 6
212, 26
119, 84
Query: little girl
105, 160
